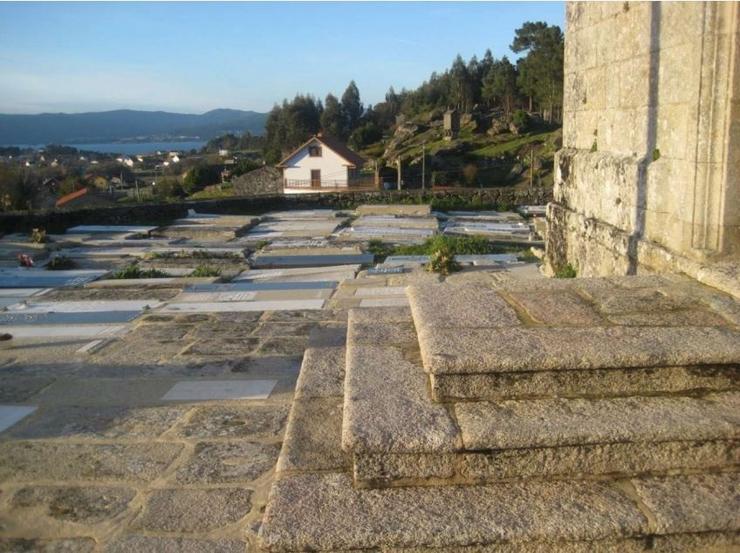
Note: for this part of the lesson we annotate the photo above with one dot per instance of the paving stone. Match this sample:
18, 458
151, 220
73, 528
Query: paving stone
20, 389
387, 406
682, 317
222, 347
258, 421
151, 544
204, 390
398, 333
324, 512
284, 329
100, 422
313, 437
265, 365
283, 345
558, 308
635, 300
33, 545
230, 462
375, 291
81, 505
105, 392
692, 503
464, 350
65, 461
555, 422
580, 383
187, 510
459, 307
299, 315
322, 373
384, 302
385, 315
238, 306
328, 335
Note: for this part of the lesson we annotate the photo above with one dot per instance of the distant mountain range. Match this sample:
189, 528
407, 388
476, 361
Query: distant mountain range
125, 126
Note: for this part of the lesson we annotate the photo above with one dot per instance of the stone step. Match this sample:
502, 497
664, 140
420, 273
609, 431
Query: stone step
576, 337
398, 437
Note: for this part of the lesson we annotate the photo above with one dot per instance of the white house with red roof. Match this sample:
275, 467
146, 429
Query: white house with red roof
323, 164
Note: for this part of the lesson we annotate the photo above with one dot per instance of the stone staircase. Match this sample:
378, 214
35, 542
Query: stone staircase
558, 415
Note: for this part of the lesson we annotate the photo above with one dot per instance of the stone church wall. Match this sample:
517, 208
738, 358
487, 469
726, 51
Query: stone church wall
648, 175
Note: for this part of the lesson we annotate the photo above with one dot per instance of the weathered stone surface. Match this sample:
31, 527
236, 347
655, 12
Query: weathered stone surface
463, 350
322, 373
680, 317
230, 462
448, 306
579, 383
705, 542
623, 459
313, 437
225, 347
99, 422
67, 461
557, 308
81, 505
555, 422
186, 510
284, 345
324, 511
18, 389
692, 503
381, 334
387, 406
63, 545
151, 544
258, 421
328, 335
384, 315
377, 470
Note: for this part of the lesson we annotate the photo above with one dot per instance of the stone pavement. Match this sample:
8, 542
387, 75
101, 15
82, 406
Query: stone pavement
612, 427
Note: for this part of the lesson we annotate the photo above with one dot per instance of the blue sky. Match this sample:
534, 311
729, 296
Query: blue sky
192, 57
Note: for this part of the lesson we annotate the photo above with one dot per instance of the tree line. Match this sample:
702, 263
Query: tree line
534, 82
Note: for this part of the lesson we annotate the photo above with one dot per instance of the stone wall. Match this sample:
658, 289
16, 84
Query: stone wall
57, 220
265, 180
648, 175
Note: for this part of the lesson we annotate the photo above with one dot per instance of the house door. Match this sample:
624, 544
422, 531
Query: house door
315, 178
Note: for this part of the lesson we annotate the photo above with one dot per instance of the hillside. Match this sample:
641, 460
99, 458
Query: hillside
487, 151
125, 125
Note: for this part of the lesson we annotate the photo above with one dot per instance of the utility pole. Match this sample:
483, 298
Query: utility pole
423, 166
398, 170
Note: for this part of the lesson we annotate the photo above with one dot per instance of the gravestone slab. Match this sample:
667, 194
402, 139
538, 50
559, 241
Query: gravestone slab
216, 307
94, 317
92, 306
247, 286
262, 260
204, 390
39, 278
63, 331
92, 229
215, 296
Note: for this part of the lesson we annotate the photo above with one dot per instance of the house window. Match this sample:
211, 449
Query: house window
314, 151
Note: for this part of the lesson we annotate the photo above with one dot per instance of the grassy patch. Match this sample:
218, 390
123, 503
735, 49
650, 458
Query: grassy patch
566, 272
205, 271
463, 245
509, 146
60, 263
134, 271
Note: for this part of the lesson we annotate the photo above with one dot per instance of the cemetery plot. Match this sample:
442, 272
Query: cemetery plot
39, 278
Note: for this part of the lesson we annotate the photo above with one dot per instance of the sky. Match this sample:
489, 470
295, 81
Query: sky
192, 57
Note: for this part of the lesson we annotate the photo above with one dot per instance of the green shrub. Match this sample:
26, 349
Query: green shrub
38, 236
60, 263
379, 248
568, 271
134, 271
442, 261
206, 271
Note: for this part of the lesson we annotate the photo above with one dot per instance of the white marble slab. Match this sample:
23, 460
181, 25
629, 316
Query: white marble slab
206, 390
292, 272
220, 307
12, 414
87, 306
64, 331
375, 291
88, 229
20, 292
205, 297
